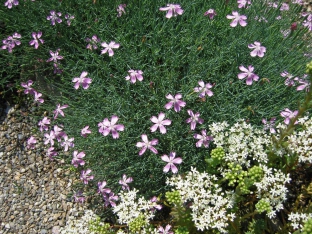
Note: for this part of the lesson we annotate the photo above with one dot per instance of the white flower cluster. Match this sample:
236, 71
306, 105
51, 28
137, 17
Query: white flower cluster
297, 220
130, 207
241, 142
81, 225
209, 204
300, 142
272, 188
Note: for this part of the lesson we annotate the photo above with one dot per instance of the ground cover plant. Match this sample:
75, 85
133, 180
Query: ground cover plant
131, 93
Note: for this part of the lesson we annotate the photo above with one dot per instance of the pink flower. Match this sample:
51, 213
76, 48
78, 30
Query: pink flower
93, 42
288, 114
243, 3
79, 197
43, 124
11, 42
237, 18
258, 49
58, 110
125, 181
37, 97
55, 56
107, 126
82, 80
36, 40
247, 73
204, 89
166, 230
134, 75
171, 160
211, 13
194, 119
58, 132
102, 189
51, 153
85, 131
57, 70
77, 158
175, 101
85, 176
109, 199
147, 145
159, 123
67, 142
203, 139
31, 142
284, 7
54, 17
304, 83
49, 138
69, 19
109, 48
10, 3
28, 89
290, 79
269, 125
155, 205
173, 10
121, 9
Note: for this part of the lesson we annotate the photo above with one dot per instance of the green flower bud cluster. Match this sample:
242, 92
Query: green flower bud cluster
236, 175
174, 197
255, 173
263, 205
137, 223
181, 230
307, 228
309, 68
217, 153
98, 227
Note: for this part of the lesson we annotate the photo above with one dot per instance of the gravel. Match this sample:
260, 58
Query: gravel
33, 189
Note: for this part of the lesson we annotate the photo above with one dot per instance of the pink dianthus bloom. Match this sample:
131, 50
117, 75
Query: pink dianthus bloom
55, 56
31, 142
109, 48
36, 40
37, 97
11, 41
43, 124
49, 138
102, 189
211, 13
28, 89
258, 49
203, 89
171, 160
54, 17
121, 9
69, 19
166, 230
51, 153
67, 143
159, 123
10, 3
107, 126
243, 3
237, 18
85, 131
175, 101
288, 115
93, 42
58, 110
134, 75
147, 145
82, 80
269, 125
125, 181
203, 139
85, 177
173, 10
248, 74
194, 119
77, 158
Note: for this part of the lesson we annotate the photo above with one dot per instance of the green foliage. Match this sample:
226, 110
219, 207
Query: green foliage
181, 230
307, 228
256, 227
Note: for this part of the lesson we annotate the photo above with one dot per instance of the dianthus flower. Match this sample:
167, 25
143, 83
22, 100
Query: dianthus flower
43, 124
85, 131
109, 199
77, 158
107, 126
85, 176
194, 119
203, 139
82, 80
49, 138
10, 3
171, 160
134, 75
125, 181
55, 56
237, 18
37, 97
58, 110
67, 142
243, 3
121, 9
79, 197
51, 153
175, 101
203, 89
36, 40
211, 13
31, 142
109, 48
11, 41
69, 19
173, 10
159, 123
54, 17
102, 189
288, 114
269, 125
93, 42
248, 74
166, 230
58, 133
147, 145
28, 89
258, 49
